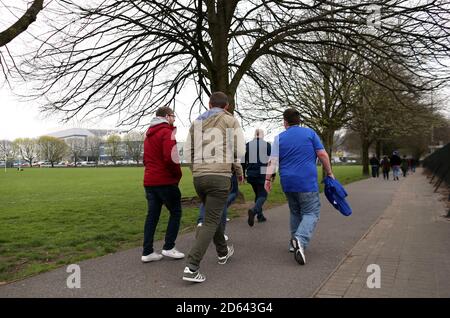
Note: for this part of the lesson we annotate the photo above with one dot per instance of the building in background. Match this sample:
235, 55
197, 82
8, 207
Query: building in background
79, 137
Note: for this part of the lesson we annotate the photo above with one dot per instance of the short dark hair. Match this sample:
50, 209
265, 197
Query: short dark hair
164, 111
291, 116
218, 99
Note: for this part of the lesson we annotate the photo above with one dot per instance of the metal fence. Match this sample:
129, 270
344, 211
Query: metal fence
438, 163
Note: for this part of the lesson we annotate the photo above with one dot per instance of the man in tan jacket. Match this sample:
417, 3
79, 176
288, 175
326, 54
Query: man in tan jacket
214, 146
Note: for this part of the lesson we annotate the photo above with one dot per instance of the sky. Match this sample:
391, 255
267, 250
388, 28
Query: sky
19, 118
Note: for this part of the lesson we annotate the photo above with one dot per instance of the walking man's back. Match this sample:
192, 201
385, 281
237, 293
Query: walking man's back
161, 177
212, 154
256, 158
296, 151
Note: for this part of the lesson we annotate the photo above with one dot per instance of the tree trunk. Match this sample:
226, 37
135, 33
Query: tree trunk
378, 149
220, 15
365, 155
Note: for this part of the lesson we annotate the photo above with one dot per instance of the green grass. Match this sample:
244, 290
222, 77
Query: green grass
51, 217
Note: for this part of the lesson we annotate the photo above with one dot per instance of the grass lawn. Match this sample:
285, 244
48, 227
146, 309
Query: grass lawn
51, 217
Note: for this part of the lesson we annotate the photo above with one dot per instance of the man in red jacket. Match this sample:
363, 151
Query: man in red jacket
161, 178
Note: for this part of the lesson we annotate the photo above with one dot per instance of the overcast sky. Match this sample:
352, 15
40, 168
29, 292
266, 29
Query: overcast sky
23, 119
19, 118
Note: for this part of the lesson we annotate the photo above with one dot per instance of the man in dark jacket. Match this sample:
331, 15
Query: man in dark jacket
386, 166
257, 154
375, 164
161, 177
395, 161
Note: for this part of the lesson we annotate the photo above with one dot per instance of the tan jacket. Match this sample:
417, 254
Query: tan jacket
209, 148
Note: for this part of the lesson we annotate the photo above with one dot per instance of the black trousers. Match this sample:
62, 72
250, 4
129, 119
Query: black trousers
170, 196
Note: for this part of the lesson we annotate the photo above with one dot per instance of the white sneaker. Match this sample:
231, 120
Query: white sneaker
226, 237
299, 253
151, 257
173, 253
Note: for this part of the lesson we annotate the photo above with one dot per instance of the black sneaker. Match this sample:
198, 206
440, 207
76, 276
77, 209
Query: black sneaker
299, 253
262, 219
251, 217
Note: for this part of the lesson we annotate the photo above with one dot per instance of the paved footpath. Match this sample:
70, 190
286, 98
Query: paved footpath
409, 239
411, 245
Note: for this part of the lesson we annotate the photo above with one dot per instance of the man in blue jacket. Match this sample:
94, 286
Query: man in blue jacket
295, 151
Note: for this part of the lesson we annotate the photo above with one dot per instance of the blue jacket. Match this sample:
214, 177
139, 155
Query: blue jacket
336, 194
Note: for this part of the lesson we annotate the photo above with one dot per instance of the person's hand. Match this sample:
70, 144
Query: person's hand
241, 179
268, 185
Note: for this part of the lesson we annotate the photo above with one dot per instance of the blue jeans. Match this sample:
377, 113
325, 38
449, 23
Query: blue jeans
396, 171
305, 212
231, 197
170, 196
260, 198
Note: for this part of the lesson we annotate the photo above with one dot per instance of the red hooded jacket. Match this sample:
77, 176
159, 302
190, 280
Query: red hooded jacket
159, 149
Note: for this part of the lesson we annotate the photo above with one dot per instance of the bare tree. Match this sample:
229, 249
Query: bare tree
113, 147
77, 146
52, 149
93, 148
378, 114
7, 151
27, 148
319, 91
21, 24
135, 145
18, 27
129, 57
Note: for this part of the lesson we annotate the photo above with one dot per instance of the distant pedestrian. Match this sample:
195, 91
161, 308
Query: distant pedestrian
257, 154
395, 161
211, 153
413, 165
375, 164
404, 166
161, 177
386, 167
296, 151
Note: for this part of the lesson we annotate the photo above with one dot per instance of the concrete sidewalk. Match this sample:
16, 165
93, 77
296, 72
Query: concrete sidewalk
262, 265
410, 243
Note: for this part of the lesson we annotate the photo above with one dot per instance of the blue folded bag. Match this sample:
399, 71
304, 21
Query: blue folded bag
336, 194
